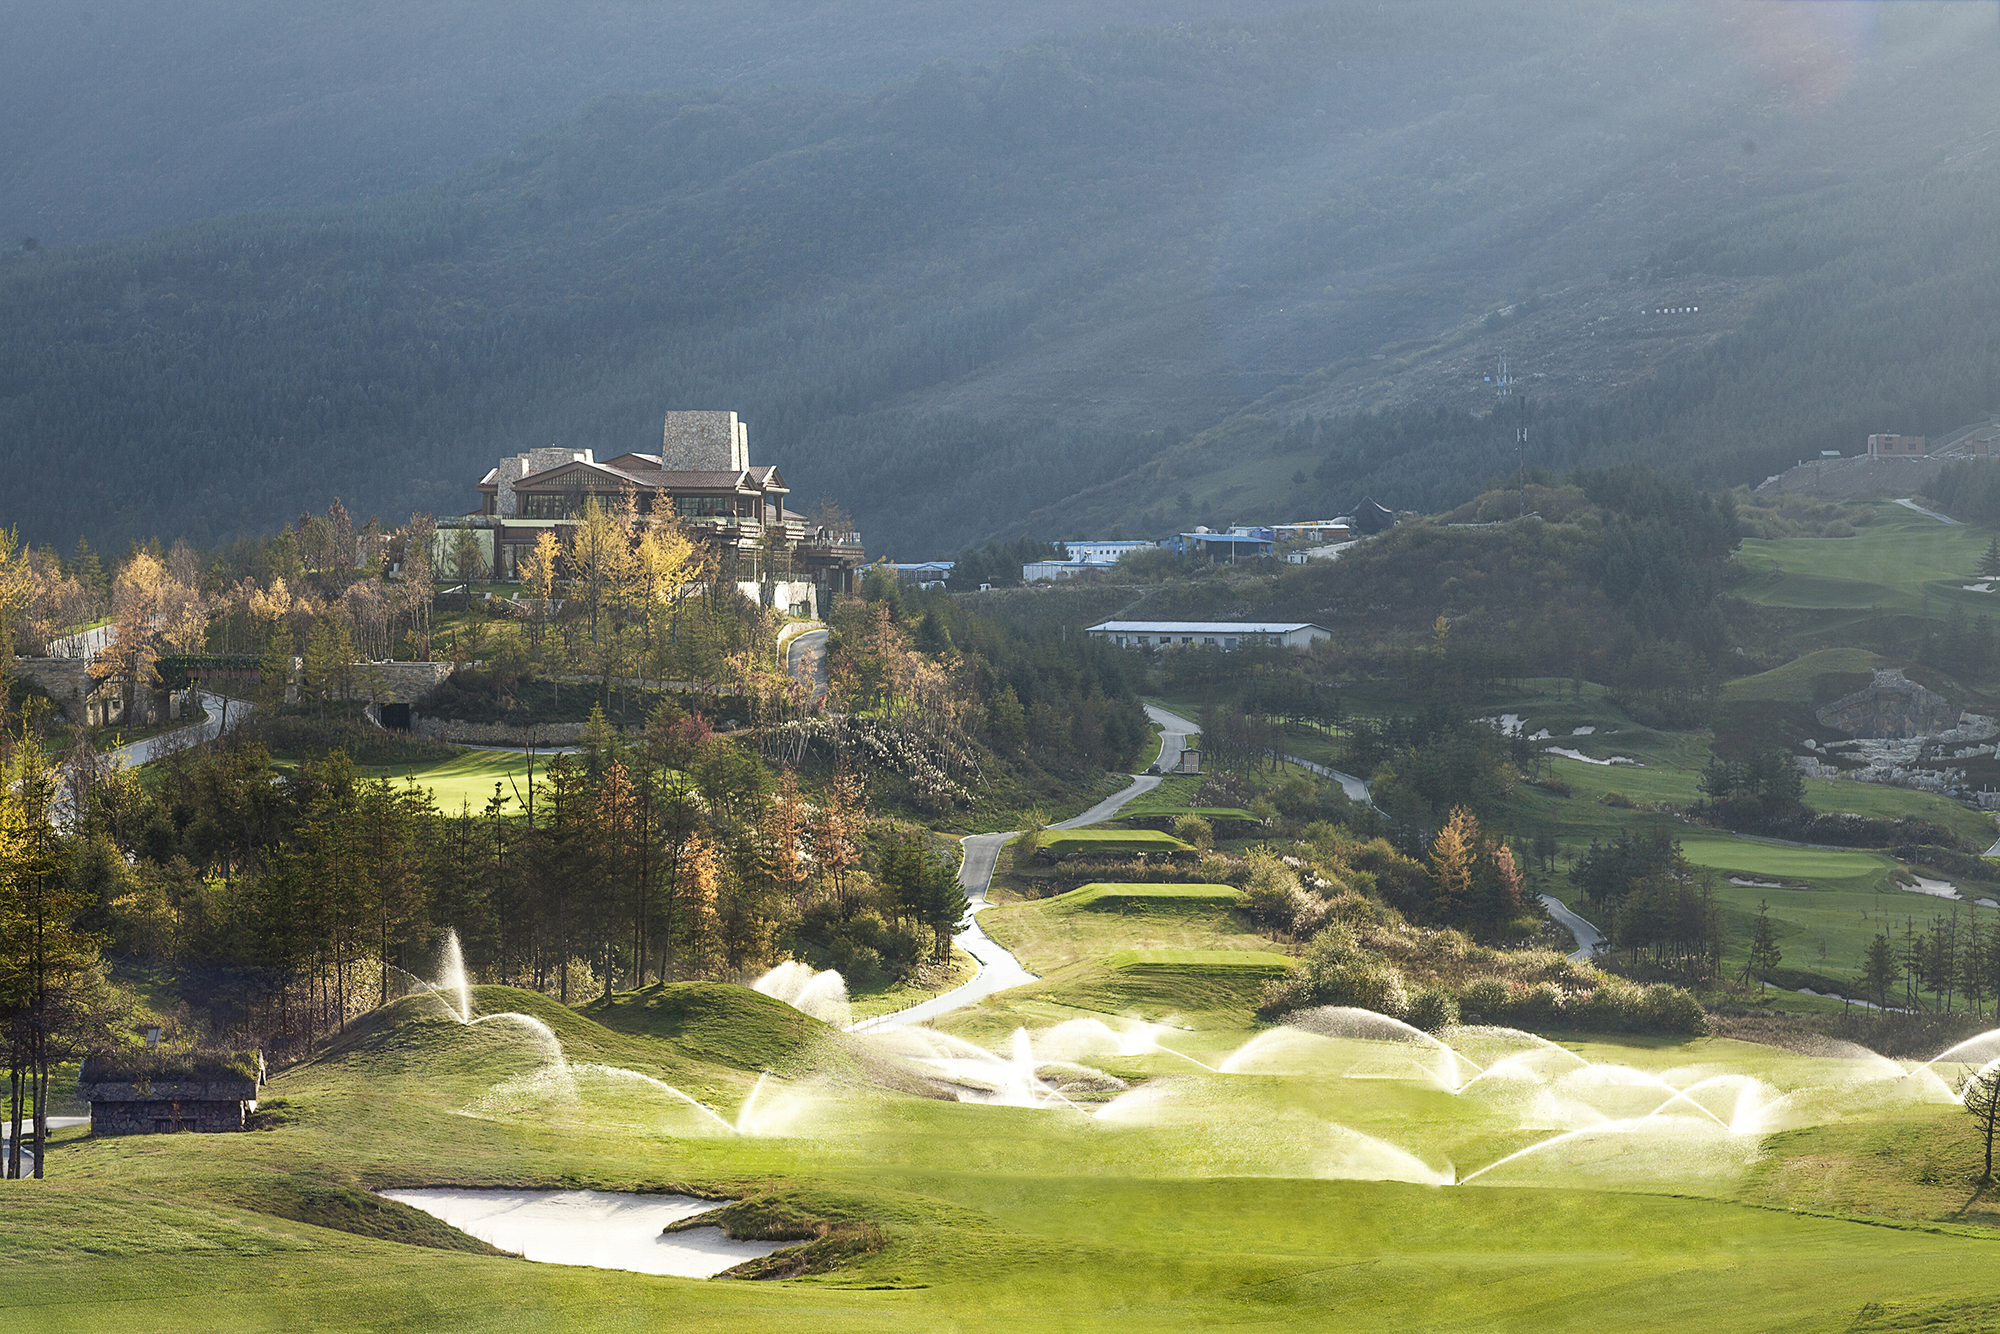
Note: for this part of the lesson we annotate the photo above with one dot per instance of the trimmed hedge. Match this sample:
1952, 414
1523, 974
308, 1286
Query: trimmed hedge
1074, 842
1111, 897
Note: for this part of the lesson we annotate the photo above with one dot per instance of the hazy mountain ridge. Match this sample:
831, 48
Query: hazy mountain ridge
1145, 261
126, 116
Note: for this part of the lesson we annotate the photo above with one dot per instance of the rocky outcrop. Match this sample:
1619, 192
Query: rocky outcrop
1894, 707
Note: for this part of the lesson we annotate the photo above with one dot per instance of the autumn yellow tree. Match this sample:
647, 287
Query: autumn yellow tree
538, 575
837, 826
600, 562
666, 564
1453, 853
130, 656
18, 588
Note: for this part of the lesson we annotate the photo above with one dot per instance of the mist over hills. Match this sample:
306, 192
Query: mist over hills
125, 115
1141, 276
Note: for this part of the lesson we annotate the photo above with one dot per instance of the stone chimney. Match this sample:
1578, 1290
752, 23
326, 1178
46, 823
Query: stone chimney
704, 442
512, 469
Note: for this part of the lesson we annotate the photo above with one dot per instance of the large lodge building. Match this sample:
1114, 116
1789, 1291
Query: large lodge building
703, 476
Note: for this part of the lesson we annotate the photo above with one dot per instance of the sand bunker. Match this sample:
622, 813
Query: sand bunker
1579, 756
1937, 889
596, 1228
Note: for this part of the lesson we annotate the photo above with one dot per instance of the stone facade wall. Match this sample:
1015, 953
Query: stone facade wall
166, 1116
516, 466
66, 680
704, 442
407, 682
162, 1107
497, 734
794, 597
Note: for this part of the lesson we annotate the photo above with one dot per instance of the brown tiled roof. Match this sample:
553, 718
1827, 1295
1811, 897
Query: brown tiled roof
650, 478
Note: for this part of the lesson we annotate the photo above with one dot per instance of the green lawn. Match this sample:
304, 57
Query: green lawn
466, 779
1262, 961
1891, 563
1100, 920
1228, 1201
1176, 795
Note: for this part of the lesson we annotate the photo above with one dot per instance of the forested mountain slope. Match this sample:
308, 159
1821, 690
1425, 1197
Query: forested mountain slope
1136, 276
126, 115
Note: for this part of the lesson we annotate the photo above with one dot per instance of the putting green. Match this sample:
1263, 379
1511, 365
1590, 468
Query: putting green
466, 780
1891, 564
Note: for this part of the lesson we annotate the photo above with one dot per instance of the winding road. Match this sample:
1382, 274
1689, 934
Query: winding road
998, 969
220, 713
1355, 789
805, 659
1587, 936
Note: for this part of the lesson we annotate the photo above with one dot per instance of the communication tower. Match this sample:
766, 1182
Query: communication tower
1502, 381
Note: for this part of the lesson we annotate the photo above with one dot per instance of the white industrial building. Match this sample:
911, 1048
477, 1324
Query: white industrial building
1221, 635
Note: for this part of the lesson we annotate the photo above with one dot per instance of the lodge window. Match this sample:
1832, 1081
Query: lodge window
551, 505
706, 507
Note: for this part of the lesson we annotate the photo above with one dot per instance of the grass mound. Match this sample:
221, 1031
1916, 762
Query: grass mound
715, 1021
1069, 841
1161, 984
418, 1035
1260, 962
344, 1209
1105, 896
1811, 679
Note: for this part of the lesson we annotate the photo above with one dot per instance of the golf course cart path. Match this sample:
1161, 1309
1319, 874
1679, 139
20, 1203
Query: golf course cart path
1355, 789
1587, 936
1929, 514
805, 659
998, 969
1175, 730
218, 710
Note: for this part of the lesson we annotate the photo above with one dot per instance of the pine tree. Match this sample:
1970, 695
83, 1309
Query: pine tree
88, 571
274, 671
1981, 1096
1880, 969
1764, 952
330, 661
1989, 564
1972, 965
